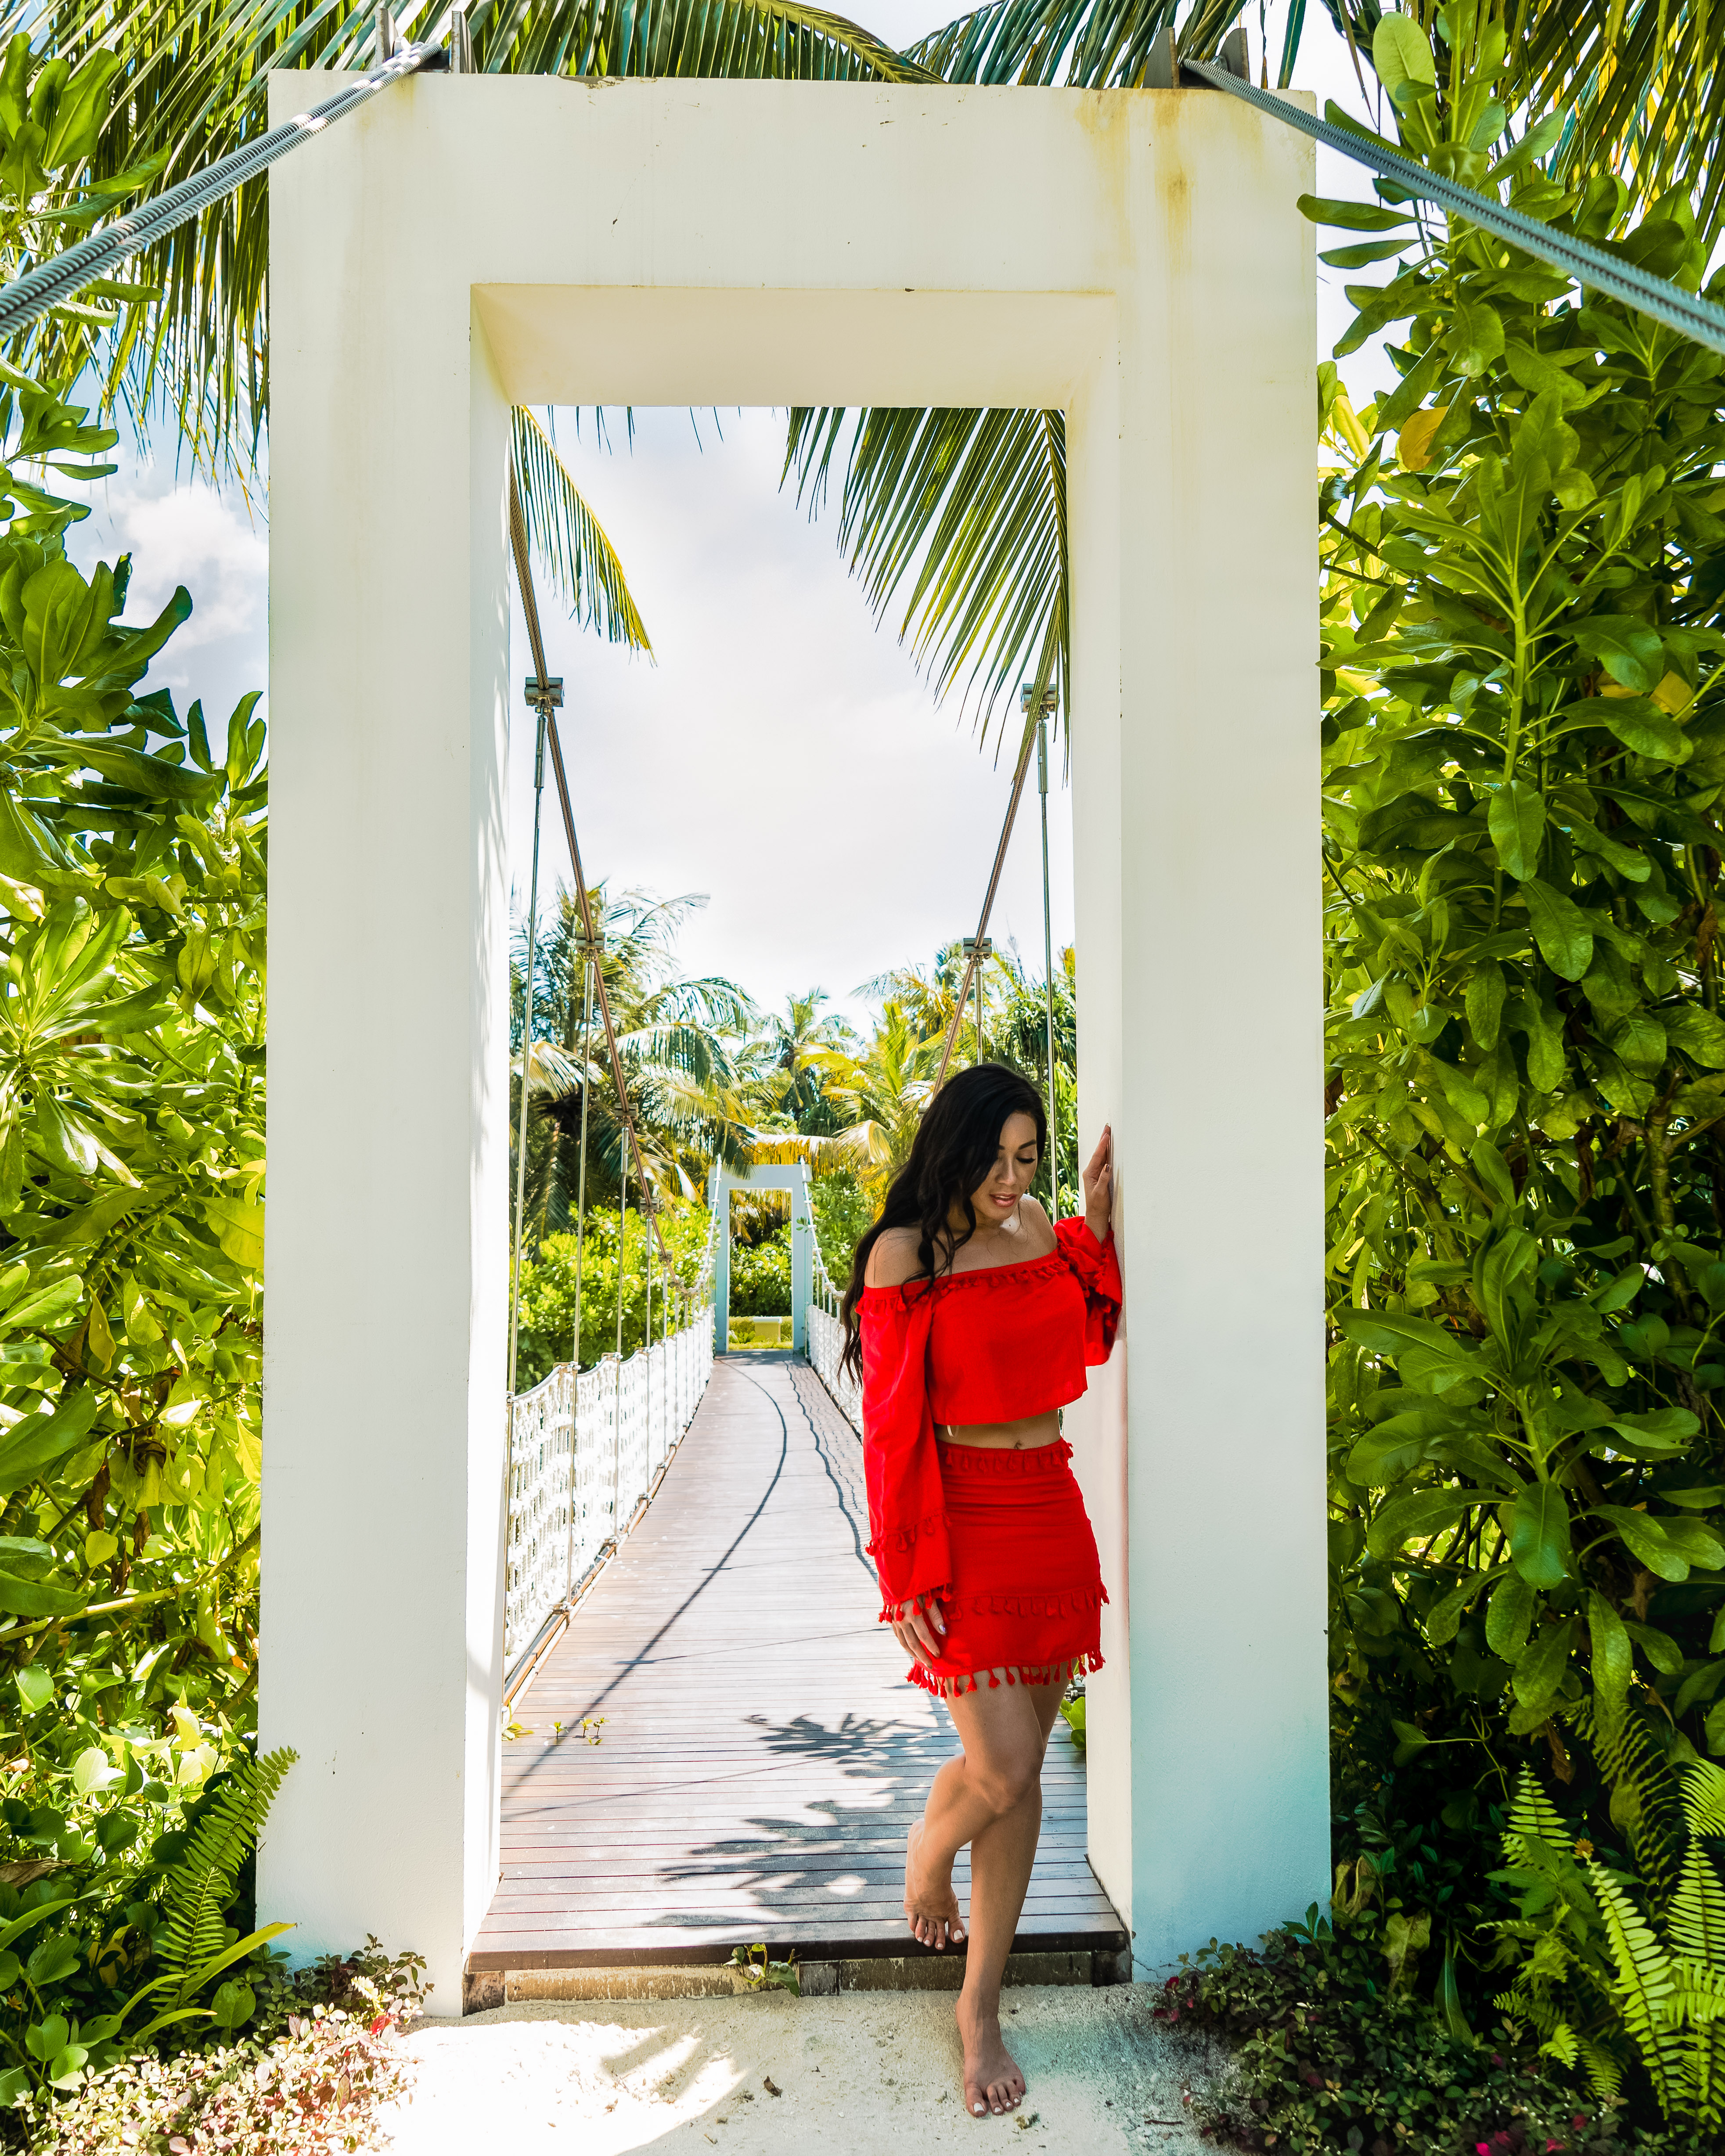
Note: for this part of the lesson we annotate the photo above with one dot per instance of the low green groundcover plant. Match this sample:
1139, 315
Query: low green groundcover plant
306, 2078
1331, 2052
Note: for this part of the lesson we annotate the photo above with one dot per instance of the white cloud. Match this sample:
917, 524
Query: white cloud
782, 756
184, 533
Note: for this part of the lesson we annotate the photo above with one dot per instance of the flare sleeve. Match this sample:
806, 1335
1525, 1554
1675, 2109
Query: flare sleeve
1095, 1266
907, 1506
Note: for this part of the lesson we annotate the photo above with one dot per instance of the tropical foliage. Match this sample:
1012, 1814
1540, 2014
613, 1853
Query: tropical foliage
548, 1296
1524, 750
1613, 1962
131, 1053
677, 1042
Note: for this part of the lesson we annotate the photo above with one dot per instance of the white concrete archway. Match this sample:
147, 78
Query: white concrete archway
785, 1175
1134, 257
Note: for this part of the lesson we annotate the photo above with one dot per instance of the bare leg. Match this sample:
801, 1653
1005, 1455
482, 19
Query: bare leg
991, 1798
1002, 1753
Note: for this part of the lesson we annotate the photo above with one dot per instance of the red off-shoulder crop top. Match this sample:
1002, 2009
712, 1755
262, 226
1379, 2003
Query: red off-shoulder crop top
992, 1345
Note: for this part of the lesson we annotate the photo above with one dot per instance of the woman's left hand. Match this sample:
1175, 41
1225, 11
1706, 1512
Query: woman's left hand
1099, 1186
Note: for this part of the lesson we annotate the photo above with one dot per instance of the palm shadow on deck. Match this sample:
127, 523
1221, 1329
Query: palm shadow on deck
761, 1758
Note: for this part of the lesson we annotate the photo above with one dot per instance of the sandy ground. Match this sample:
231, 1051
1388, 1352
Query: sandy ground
872, 2073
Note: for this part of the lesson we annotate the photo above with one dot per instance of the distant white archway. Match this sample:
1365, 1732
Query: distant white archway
793, 1177
1134, 257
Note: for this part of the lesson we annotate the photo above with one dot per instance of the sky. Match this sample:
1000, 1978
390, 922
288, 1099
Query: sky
780, 754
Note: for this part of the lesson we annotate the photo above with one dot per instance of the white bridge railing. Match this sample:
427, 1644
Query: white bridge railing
583, 1455
826, 1339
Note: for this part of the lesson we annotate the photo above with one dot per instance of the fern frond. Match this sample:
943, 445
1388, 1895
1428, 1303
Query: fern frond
1644, 1796
1706, 2070
1704, 1798
1563, 2044
1645, 1990
1695, 1918
1604, 2069
199, 1887
1532, 1818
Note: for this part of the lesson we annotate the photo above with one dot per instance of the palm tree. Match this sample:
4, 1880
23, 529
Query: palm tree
881, 1091
791, 1040
674, 1039
987, 598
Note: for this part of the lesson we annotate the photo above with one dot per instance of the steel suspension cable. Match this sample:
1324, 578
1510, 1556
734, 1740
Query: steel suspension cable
51, 284
520, 1156
1054, 1111
975, 959
1686, 312
524, 577
587, 966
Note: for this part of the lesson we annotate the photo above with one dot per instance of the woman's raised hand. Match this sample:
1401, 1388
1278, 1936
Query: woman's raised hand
1099, 1186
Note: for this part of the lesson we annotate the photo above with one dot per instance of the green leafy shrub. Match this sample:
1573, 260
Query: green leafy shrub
760, 1276
131, 1031
548, 1308
1333, 2051
844, 1214
1524, 754
102, 1949
305, 2080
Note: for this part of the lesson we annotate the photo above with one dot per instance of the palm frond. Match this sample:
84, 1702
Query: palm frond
968, 509
568, 537
1078, 45
191, 88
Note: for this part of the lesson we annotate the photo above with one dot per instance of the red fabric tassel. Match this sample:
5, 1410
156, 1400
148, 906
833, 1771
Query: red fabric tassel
964, 1681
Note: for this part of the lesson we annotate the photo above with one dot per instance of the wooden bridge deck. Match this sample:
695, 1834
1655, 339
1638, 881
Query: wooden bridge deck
760, 1756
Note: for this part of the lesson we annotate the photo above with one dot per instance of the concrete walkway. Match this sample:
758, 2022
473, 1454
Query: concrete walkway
868, 2075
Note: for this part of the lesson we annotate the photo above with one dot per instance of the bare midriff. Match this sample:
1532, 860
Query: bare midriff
1006, 1436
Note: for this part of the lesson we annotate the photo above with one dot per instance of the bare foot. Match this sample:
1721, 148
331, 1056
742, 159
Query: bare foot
930, 1904
992, 2079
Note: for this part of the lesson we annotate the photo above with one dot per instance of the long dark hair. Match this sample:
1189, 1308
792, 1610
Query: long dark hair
956, 1145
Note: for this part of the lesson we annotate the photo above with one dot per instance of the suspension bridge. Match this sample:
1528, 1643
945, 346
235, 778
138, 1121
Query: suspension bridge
711, 1745
679, 1529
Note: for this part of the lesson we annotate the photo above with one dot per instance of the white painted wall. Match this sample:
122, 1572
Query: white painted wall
1135, 257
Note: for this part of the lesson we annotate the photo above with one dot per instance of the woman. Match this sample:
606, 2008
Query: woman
970, 1319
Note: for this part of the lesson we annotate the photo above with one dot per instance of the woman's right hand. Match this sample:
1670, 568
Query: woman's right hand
1099, 1186
916, 1631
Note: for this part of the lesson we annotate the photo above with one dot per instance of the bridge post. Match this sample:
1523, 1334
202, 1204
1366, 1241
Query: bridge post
718, 1199
1200, 1447
802, 1266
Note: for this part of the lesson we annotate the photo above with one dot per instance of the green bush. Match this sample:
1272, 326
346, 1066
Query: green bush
547, 1306
131, 1160
1524, 754
1332, 2051
306, 2078
761, 1277
843, 1215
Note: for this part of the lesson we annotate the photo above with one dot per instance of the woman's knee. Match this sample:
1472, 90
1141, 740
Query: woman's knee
1003, 1779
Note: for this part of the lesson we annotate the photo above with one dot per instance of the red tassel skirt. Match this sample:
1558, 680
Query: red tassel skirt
1026, 1606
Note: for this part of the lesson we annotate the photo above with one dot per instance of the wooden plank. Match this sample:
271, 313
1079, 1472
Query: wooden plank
762, 1756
